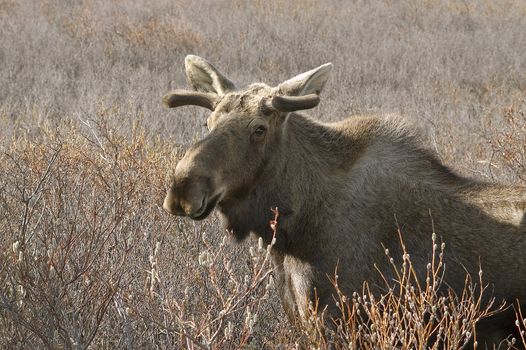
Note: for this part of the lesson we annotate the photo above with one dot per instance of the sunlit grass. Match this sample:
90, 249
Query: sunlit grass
87, 255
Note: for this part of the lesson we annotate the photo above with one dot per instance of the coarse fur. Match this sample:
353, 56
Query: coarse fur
343, 189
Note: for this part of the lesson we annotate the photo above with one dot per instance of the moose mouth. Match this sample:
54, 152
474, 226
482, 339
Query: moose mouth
206, 208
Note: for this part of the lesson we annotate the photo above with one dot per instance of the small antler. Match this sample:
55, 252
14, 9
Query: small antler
287, 104
179, 98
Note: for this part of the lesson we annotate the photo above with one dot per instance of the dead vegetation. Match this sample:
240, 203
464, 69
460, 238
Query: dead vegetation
87, 256
90, 259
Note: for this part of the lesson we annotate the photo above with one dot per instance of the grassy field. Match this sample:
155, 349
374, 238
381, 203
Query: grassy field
88, 258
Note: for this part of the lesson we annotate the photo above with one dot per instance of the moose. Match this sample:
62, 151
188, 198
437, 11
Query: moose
343, 190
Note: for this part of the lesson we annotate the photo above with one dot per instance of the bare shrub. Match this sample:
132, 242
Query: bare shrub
166, 33
521, 327
89, 189
409, 314
66, 216
509, 143
6, 7
86, 252
220, 310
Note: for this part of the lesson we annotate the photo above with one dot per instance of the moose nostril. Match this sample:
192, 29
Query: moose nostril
171, 206
187, 196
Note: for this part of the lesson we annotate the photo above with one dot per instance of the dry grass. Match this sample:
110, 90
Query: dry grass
87, 256
509, 142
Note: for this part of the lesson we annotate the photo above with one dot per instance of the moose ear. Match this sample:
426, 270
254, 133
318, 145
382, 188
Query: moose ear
204, 77
311, 82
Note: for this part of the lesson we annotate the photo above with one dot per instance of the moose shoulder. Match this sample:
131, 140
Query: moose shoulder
342, 189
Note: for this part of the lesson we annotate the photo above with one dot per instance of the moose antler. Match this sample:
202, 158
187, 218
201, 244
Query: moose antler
179, 98
289, 103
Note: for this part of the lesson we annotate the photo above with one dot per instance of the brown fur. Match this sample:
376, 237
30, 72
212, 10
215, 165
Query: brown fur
342, 190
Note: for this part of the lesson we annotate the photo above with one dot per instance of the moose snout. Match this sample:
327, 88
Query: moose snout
171, 204
187, 198
194, 191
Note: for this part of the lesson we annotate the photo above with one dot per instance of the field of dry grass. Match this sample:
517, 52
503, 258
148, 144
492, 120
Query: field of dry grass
88, 258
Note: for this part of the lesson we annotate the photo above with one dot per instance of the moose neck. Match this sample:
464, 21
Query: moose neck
312, 157
296, 181
315, 148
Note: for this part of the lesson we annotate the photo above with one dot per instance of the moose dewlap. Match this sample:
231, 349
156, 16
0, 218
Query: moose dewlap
343, 189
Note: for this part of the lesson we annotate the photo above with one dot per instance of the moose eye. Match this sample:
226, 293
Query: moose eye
260, 130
